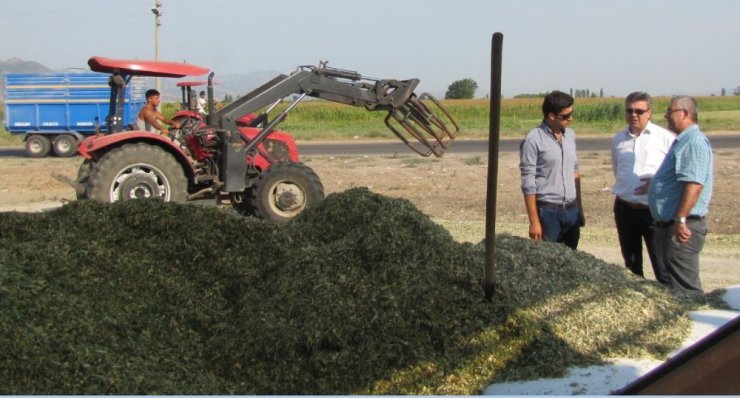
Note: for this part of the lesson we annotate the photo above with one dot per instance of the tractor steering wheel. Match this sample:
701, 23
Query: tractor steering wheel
188, 126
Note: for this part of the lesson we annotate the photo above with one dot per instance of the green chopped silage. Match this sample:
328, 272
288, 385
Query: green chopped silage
362, 294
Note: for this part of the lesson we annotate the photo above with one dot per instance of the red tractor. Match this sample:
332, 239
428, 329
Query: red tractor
237, 156
189, 105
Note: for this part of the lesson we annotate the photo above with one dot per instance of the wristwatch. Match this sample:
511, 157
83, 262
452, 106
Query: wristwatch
680, 220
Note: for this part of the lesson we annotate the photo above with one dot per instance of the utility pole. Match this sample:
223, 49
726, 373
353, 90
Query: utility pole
157, 11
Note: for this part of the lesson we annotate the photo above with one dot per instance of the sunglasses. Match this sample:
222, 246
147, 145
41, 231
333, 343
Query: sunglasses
565, 116
638, 112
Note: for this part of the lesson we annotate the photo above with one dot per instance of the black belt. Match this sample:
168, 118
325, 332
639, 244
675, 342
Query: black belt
557, 206
669, 223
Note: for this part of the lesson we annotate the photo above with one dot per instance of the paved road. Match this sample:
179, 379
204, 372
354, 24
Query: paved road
472, 146
726, 141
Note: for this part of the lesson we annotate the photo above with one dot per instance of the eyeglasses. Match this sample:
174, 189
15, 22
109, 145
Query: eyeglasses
638, 112
668, 112
565, 116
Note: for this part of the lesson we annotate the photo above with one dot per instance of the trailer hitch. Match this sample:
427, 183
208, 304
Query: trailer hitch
426, 121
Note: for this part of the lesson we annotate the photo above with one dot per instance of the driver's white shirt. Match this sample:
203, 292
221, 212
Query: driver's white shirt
202, 105
143, 125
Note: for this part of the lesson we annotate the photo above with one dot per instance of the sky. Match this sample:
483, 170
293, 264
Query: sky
664, 47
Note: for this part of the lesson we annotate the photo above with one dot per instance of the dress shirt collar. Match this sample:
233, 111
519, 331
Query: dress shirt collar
650, 125
687, 132
549, 131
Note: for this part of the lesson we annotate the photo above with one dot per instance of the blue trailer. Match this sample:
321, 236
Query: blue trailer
55, 111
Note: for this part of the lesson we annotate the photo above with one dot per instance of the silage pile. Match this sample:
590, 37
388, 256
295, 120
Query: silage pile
363, 294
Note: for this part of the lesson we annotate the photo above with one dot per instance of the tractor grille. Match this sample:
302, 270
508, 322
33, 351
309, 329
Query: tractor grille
277, 149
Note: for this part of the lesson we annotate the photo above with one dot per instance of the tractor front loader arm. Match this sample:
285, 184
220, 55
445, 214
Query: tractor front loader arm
419, 121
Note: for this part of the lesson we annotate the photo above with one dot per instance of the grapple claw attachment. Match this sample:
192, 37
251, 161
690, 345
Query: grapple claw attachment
423, 124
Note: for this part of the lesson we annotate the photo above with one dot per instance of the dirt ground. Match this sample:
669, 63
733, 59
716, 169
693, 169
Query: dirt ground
452, 190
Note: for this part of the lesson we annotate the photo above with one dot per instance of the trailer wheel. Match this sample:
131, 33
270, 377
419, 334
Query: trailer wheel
137, 171
284, 190
65, 145
37, 146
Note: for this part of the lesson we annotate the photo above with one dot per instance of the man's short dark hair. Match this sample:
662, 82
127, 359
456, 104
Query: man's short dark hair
639, 96
151, 93
555, 102
202, 93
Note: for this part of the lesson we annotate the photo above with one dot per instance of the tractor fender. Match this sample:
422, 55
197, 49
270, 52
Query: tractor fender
260, 162
188, 114
289, 141
93, 146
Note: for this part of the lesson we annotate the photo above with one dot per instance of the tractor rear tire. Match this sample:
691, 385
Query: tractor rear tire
137, 171
65, 145
284, 190
37, 146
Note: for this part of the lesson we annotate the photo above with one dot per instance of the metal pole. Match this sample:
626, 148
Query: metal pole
157, 10
493, 139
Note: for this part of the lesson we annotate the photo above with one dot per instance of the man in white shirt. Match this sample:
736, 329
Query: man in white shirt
202, 108
637, 152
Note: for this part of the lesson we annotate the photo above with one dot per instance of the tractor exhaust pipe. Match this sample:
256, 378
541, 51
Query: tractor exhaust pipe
211, 105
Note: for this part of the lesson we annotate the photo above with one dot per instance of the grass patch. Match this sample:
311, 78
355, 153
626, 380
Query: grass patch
7, 139
362, 294
414, 162
474, 161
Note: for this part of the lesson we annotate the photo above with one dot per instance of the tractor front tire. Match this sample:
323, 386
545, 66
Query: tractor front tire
284, 190
137, 171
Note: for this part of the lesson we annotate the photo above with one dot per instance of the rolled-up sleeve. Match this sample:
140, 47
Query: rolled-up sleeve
528, 166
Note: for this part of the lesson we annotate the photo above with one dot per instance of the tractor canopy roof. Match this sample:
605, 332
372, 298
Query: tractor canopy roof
191, 83
145, 68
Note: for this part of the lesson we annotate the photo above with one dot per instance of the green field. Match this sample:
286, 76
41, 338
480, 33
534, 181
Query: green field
317, 120
320, 120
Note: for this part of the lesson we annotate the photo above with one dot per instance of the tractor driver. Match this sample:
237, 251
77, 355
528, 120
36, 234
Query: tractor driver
150, 119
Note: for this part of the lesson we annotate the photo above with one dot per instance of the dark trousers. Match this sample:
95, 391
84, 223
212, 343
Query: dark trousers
682, 259
562, 225
635, 224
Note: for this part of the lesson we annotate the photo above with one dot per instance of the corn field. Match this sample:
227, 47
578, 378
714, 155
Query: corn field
316, 120
323, 120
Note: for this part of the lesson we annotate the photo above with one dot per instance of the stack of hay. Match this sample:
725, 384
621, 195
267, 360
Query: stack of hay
362, 294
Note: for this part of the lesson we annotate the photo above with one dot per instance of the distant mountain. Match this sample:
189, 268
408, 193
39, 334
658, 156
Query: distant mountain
238, 84
17, 65
233, 84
